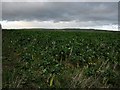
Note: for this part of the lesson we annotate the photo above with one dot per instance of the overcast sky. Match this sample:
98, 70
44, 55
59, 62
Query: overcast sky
99, 15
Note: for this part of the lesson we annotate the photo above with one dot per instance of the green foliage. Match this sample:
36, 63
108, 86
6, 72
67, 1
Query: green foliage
60, 59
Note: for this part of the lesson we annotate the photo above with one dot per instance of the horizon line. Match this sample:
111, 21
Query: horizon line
60, 29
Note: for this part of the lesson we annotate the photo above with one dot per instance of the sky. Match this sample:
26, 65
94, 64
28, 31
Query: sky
84, 14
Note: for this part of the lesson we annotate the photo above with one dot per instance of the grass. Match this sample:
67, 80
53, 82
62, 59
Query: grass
61, 59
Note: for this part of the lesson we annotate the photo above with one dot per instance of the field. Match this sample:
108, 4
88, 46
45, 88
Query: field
60, 59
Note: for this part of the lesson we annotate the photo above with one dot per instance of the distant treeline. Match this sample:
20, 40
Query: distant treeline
66, 29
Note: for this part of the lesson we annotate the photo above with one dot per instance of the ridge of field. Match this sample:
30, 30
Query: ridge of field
65, 29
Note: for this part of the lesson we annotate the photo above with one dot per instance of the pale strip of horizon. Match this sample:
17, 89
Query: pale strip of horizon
55, 25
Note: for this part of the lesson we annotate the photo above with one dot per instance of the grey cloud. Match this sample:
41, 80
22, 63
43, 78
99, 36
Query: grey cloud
61, 0
60, 11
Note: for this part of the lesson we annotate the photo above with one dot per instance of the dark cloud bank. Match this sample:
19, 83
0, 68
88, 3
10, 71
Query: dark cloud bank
61, 11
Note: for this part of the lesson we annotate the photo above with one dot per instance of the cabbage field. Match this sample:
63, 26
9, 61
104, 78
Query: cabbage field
60, 59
